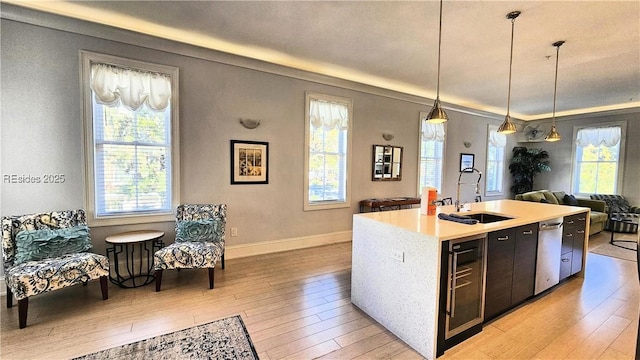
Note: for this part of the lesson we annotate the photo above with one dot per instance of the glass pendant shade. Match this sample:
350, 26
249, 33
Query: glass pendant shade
507, 127
553, 135
437, 114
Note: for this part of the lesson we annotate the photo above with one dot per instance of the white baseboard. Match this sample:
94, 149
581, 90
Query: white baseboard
267, 247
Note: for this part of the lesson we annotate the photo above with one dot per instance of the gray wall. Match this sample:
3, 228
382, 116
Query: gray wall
560, 154
42, 133
42, 129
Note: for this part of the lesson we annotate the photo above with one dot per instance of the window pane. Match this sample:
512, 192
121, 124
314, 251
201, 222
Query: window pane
328, 127
596, 166
431, 164
132, 160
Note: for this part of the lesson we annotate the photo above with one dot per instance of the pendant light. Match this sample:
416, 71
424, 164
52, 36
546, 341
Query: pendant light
554, 135
507, 127
437, 114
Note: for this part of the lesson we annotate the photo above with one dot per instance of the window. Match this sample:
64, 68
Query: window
598, 158
327, 151
130, 139
494, 174
431, 157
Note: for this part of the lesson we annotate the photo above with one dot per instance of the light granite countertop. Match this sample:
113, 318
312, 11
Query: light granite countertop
522, 213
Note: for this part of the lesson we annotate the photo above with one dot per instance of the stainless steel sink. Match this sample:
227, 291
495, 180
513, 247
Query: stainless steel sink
485, 218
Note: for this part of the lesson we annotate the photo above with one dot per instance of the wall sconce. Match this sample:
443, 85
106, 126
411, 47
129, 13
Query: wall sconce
387, 136
249, 123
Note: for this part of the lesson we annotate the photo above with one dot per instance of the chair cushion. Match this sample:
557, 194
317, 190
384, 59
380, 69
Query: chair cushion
37, 277
51, 243
615, 203
534, 196
570, 200
182, 255
198, 230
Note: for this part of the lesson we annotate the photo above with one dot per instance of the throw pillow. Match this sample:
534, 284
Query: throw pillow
198, 230
533, 196
544, 201
50, 243
570, 200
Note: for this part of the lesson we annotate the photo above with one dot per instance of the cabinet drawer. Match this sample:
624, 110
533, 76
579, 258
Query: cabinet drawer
568, 234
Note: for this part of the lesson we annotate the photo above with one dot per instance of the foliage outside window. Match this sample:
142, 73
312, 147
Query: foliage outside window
431, 159
597, 161
327, 147
131, 140
494, 174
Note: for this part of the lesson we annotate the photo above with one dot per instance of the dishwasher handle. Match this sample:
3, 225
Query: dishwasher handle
554, 226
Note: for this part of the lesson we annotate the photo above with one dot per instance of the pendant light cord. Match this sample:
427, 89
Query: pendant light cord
555, 86
513, 21
439, 45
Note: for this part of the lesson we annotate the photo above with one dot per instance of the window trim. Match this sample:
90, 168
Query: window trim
325, 205
422, 116
505, 167
623, 144
86, 58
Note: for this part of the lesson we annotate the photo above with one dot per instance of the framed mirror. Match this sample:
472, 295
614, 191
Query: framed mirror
387, 163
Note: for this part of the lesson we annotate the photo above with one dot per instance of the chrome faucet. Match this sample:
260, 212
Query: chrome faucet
477, 184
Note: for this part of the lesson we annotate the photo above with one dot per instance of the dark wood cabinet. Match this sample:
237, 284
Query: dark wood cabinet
573, 236
500, 250
511, 265
524, 270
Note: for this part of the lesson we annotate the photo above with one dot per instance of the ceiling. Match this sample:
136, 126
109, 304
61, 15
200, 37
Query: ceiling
394, 45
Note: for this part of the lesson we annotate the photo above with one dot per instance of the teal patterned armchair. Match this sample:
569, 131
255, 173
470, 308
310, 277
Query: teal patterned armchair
45, 252
199, 244
618, 206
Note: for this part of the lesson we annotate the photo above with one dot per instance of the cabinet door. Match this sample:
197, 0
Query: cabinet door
524, 269
501, 246
565, 265
579, 235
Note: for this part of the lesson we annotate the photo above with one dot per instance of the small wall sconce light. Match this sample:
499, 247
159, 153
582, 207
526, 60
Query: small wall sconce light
249, 123
467, 144
387, 136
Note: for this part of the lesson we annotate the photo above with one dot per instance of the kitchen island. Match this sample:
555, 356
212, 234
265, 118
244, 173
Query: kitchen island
398, 256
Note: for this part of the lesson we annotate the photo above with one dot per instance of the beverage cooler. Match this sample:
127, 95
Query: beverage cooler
463, 280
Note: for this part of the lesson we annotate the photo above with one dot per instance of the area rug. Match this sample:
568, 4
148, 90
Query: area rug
221, 339
626, 253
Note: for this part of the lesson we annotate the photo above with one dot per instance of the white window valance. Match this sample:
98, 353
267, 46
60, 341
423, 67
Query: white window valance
608, 136
114, 85
496, 139
328, 115
433, 131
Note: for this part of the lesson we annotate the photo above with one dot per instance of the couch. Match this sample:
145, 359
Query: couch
597, 219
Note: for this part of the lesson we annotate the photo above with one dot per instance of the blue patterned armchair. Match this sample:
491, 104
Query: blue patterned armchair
199, 244
618, 206
45, 252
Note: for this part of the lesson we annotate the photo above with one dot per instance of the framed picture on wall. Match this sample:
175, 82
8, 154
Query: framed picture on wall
466, 162
249, 162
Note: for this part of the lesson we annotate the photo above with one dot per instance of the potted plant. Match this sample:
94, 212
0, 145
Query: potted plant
525, 165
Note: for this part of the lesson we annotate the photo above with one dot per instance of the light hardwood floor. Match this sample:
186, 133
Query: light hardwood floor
296, 305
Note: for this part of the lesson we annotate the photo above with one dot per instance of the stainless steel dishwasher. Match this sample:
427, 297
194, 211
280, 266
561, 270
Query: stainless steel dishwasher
549, 254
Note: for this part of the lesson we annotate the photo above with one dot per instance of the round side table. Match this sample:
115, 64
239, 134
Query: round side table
136, 249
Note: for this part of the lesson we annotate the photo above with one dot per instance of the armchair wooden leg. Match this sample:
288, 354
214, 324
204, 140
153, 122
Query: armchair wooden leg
158, 276
104, 287
222, 261
9, 298
210, 278
23, 306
